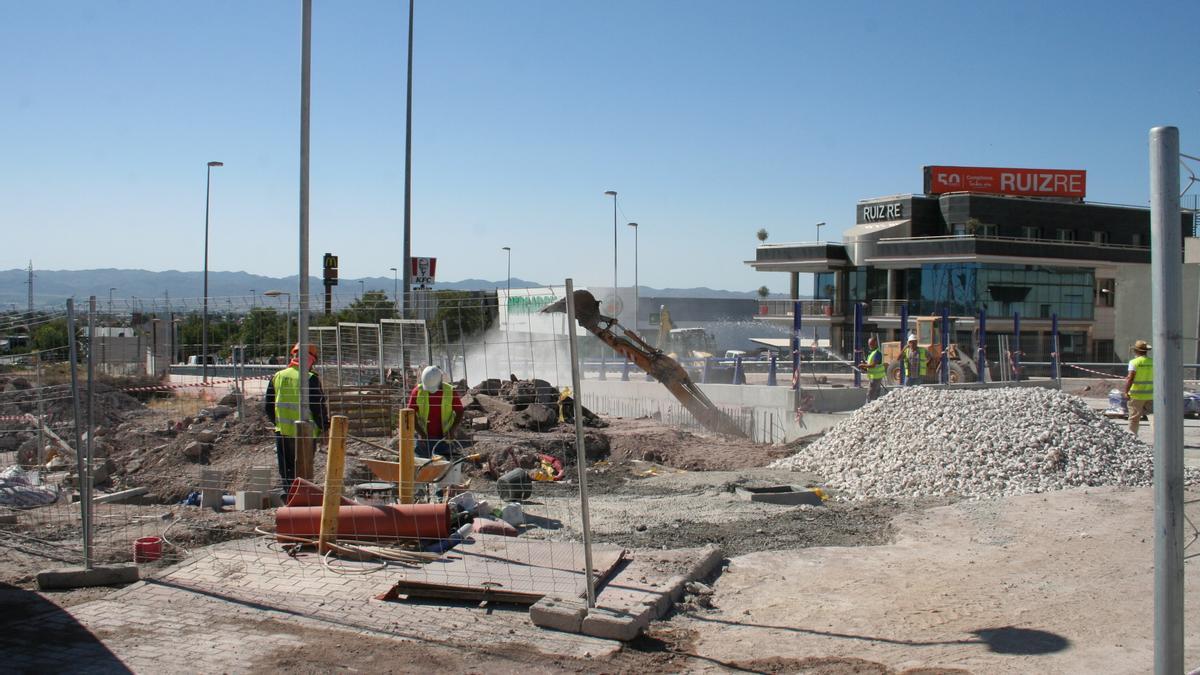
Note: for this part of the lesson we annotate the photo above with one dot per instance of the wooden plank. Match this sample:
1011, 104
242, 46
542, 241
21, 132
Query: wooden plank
335, 472
487, 564
408, 444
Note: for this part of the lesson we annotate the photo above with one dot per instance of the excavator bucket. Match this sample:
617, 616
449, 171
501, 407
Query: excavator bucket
587, 308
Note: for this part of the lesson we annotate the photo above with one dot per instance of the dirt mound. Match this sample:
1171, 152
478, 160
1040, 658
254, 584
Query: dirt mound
647, 439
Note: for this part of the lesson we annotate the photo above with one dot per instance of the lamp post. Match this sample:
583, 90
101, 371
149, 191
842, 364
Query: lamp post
362, 289
395, 289
507, 305
613, 194
287, 330
204, 313
819, 226
635, 275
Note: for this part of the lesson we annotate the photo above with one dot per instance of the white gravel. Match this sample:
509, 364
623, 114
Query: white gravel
921, 442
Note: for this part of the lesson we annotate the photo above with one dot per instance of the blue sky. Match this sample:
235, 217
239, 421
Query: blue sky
711, 119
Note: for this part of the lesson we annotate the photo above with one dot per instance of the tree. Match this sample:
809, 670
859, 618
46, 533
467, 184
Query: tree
762, 234
763, 292
52, 335
370, 308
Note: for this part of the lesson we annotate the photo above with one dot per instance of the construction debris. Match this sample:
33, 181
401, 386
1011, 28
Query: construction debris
919, 442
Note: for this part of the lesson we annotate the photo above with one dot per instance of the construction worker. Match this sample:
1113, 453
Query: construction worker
1139, 385
875, 370
282, 405
914, 360
436, 421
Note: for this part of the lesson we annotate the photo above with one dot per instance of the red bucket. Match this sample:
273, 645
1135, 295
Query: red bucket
147, 549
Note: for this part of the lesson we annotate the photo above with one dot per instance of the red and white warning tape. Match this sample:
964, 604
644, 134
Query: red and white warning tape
210, 383
1107, 376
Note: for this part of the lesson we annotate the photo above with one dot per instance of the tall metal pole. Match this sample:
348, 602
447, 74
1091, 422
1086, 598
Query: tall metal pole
305, 100
945, 365
405, 262
80, 468
395, 290
1166, 271
204, 314
613, 194
508, 320
858, 342
635, 276
981, 354
580, 455
85, 479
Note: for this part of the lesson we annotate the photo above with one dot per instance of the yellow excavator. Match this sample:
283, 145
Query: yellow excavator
661, 367
960, 367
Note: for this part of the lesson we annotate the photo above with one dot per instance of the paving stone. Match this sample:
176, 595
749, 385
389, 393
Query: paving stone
557, 613
613, 625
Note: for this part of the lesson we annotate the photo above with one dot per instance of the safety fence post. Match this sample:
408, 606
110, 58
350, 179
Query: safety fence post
306, 450
408, 461
797, 313
80, 469
945, 365
981, 359
85, 478
1016, 350
858, 342
625, 370
772, 372
1054, 355
580, 455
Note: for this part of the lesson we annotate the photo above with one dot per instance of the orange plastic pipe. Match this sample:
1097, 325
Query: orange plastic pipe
307, 493
372, 522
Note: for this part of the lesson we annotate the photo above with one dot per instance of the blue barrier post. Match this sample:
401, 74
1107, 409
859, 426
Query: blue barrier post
1054, 356
796, 314
772, 377
625, 370
903, 343
1016, 349
945, 344
981, 357
739, 376
858, 342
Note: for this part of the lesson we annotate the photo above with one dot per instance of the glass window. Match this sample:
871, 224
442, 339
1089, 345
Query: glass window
1100, 237
1065, 234
1136, 239
989, 230
1031, 232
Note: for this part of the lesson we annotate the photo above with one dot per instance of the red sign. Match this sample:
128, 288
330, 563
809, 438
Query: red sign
1024, 182
423, 271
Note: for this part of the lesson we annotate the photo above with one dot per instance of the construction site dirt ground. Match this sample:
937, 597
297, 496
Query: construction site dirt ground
1056, 582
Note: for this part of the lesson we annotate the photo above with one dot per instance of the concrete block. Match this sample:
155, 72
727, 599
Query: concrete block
613, 625
79, 577
556, 613
260, 478
212, 498
786, 495
480, 424
246, 500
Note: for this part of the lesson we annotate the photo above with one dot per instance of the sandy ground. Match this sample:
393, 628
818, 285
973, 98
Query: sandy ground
1059, 582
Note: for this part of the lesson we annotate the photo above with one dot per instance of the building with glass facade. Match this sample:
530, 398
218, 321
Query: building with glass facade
1009, 256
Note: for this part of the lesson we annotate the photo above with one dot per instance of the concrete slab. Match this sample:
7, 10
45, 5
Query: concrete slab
786, 495
556, 613
79, 577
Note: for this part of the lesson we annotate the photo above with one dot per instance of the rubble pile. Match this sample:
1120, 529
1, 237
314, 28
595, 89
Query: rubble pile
529, 405
921, 442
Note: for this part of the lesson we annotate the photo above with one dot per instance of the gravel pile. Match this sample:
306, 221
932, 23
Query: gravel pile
921, 442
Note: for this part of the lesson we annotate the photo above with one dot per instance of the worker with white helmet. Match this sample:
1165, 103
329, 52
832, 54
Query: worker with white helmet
914, 362
439, 410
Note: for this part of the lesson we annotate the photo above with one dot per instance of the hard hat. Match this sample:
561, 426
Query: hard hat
312, 350
431, 378
912, 337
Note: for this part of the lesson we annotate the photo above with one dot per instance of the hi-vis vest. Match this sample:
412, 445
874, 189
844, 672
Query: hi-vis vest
447, 405
287, 402
875, 369
1143, 379
907, 354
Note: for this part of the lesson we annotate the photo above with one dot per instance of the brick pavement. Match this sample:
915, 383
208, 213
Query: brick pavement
244, 601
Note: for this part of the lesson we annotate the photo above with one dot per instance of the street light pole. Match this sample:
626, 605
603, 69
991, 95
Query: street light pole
613, 194
405, 261
507, 308
204, 314
635, 276
819, 226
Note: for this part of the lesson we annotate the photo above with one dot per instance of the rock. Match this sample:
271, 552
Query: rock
196, 450
480, 424
489, 387
595, 446
536, 417
221, 411
206, 436
229, 399
133, 466
20, 383
492, 405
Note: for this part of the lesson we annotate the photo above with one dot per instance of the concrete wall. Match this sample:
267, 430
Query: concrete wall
1134, 314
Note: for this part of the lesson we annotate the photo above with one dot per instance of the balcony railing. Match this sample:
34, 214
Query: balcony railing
782, 308
885, 307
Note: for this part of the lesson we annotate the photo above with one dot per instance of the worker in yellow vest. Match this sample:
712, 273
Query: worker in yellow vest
875, 370
1139, 385
914, 362
282, 405
439, 410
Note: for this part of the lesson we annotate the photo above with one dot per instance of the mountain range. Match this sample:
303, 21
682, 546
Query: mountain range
51, 288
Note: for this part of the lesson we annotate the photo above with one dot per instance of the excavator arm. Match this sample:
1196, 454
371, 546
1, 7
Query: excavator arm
660, 366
